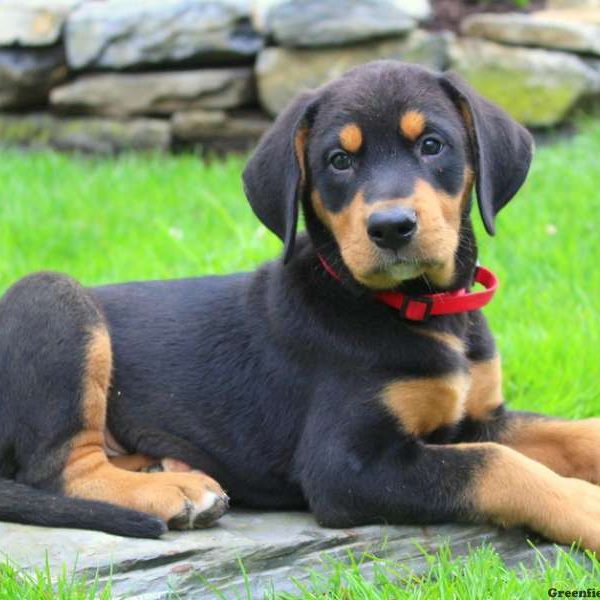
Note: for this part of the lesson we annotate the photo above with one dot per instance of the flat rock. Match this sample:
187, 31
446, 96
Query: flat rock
91, 135
284, 72
122, 94
33, 22
590, 16
219, 130
419, 10
573, 3
28, 74
121, 35
542, 30
273, 547
316, 23
537, 87
594, 63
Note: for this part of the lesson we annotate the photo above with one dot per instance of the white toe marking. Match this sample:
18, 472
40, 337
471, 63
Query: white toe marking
209, 500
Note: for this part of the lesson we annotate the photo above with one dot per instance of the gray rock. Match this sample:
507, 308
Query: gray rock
419, 10
537, 87
543, 31
33, 22
316, 23
589, 104
594, 63
284, 72
573, 3
28, 74
118, 35
98, 136
590, 16
218, 130
155, 93
209, 125
273, 547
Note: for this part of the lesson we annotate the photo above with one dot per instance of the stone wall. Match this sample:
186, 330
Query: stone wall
109, 75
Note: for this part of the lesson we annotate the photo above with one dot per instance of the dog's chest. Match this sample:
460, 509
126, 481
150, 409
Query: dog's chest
424, 405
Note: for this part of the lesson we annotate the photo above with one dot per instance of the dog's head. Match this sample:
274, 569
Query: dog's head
383, 160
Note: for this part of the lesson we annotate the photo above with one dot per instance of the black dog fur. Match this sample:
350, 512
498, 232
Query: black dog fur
287, 386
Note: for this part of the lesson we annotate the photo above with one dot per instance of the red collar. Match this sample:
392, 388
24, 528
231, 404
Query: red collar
420, 308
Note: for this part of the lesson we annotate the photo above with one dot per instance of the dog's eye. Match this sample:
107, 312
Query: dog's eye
340, 161
431, 146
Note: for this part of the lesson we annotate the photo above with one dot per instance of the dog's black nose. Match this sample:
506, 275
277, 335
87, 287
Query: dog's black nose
393, 228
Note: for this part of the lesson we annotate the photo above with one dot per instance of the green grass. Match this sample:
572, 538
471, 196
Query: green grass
155, 217
480, 575
131, 218
41, 584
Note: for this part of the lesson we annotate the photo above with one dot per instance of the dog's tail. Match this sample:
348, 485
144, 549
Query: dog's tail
23, 504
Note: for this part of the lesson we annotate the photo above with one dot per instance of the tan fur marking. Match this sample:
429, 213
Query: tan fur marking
175, 466
139, 462
439, 217
351, 138
349, 228
132, 462
299, 148
469, 180
412, 124
439, 224
88, 472
512, 489
467, 116
98, 361
443, 337
424, 405
439, 221
570, 448
485, 394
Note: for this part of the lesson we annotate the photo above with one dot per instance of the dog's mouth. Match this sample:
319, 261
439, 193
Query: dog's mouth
402, 266
392, 269
402, 270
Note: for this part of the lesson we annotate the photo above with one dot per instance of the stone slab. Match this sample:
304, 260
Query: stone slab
33, 22
218, 130
542, 31
122, 35
537, 87
419, 10
273, 547
28, 74
298, 23
123, 94
87, 135
590, 16
284, 72
573, 4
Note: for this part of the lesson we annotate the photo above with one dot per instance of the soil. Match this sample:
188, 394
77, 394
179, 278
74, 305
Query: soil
448, 14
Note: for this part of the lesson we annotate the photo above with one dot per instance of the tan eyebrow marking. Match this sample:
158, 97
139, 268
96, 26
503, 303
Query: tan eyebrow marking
351, 137
412, 124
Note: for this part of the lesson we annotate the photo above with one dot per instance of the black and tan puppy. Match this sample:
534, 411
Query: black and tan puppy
296, 385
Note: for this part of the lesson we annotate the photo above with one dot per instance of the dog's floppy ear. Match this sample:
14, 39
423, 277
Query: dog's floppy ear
275, 176
502, 149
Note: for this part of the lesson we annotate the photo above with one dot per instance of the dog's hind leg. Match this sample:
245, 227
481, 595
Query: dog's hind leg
56, 369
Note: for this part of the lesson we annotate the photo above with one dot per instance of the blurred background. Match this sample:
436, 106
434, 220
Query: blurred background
103, 76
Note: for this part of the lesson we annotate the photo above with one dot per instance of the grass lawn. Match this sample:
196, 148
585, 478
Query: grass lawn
157, 217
